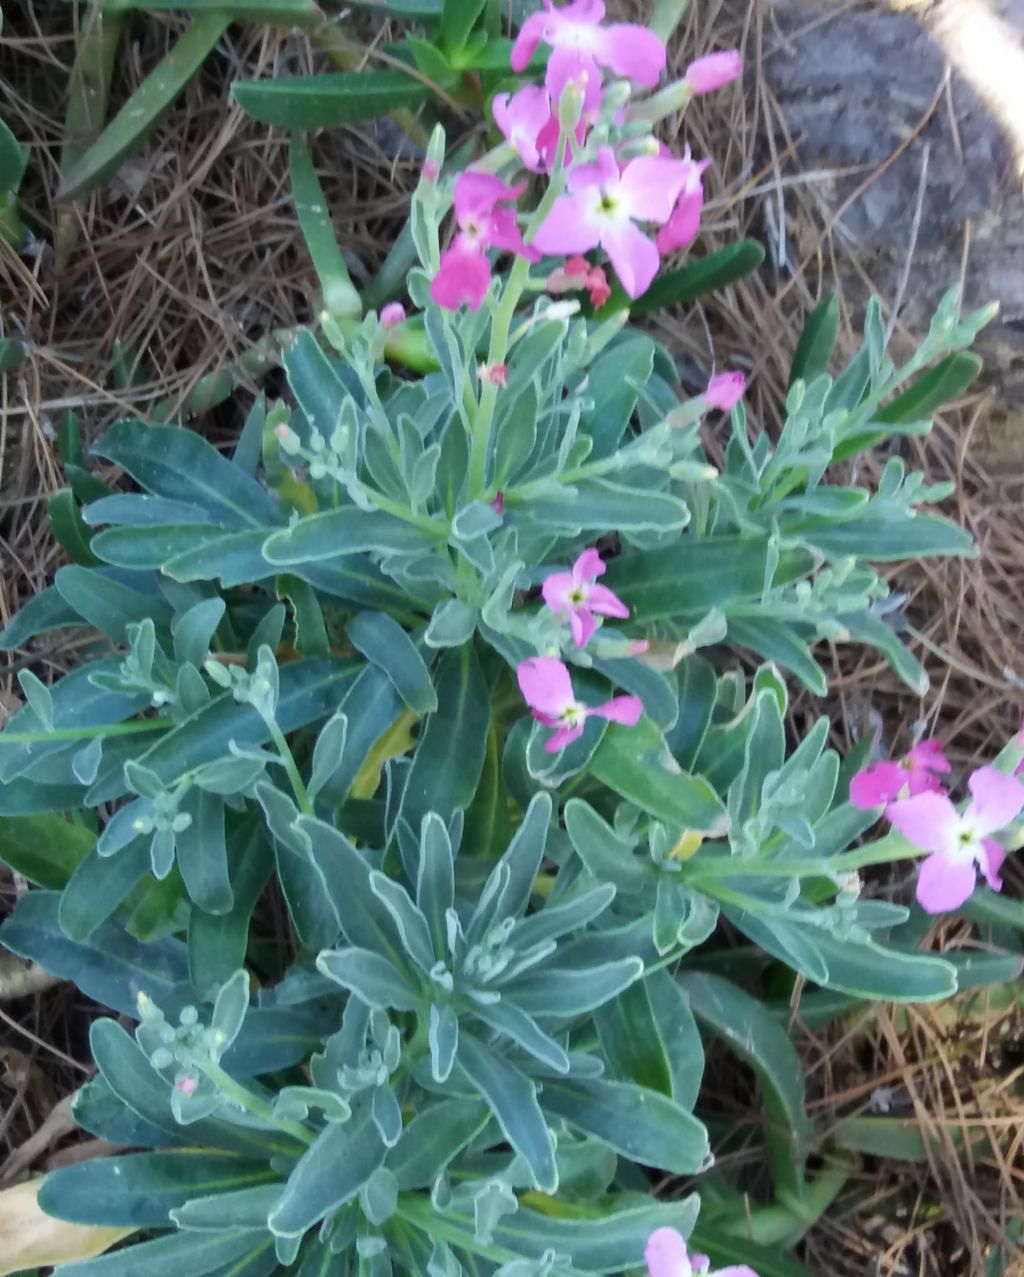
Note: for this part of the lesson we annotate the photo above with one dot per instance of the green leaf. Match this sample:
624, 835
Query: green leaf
13, 160
597, 504
723, 1249
866, 627
686, 283
630, 1040
817, 341
433, 1138
109, 966
99, 885
140, 1190
107, 604
887, 534
173, 462
756, 1036
614, 382
329, 1174
45, 849
947, 381
512, 1098
344, 531
285, 13
384, 643
635, 762
145, 108
641, 1124
778, 642
340, 297
458, 18
196, 1254
449, 756
70, 530
325, 101
689, 577
202, 852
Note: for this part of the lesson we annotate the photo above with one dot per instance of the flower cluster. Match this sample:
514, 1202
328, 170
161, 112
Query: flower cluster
960, 844
607, 176
574, 596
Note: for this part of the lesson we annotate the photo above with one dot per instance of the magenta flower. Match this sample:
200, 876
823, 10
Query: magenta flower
960, 845
465, 272
682, 227
575, 594
667, 1256
626, 48
725, 390
714, 71
603, 206
915, 773
547, 689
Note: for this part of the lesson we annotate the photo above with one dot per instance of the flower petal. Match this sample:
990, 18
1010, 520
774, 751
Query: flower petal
564, 736
620, 709
725, 390
504, 233
929, 821
928, 753
581, 625
944, 883
530, 35
604, 171
666, 1254
650, 185
570, 227
682, 227
588, 567
476, 194
545, 684
567, 64
521, 119
990, 861
633, 255
714, 71
606, 602
632, 51
463, 276
556, 589
996, 799
877, 785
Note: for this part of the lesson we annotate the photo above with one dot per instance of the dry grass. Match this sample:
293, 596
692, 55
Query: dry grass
194, 254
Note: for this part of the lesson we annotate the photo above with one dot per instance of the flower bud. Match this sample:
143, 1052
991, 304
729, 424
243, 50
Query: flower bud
392, 315
725, 390
672, 98
570, 104
714, 71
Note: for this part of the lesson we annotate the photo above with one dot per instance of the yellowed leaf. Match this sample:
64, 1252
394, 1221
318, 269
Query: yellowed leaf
396, 741
29, 1238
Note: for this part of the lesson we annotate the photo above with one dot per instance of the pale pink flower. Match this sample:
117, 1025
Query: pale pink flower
392, 315
682, 227
917, 772
576, 594
960, 845
521, 117
465, 273
714, 71
725, 390
187, 1085
498, 504
603, 206
666, 1256
547, 689
626, 48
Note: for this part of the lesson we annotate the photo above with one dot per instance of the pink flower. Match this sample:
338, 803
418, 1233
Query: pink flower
465, 272
575, 593
714, 71
603, 206
626, 48
667, 1256
547, 689
187, 1085
392, 315
725, 390
915, 773
498, 504
682, 227
578, 273
960, 845
521, 118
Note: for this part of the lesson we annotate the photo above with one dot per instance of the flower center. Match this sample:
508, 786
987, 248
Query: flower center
577, 595
573, 715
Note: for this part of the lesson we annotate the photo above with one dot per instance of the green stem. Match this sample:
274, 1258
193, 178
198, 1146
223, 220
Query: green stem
891, 847
254, 1104
87, 733
288, 760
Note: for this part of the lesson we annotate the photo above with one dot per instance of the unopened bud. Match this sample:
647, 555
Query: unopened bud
392, 315
714, 71
725, 390
614, 98
495, 374
672, 98
570, 105
435, 156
